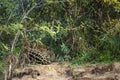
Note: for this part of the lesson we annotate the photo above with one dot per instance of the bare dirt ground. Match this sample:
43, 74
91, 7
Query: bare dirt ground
64, 71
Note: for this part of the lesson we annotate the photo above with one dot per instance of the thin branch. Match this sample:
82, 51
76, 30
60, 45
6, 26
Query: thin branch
1, 33
9, 17
25, 14
21, 6
15, 40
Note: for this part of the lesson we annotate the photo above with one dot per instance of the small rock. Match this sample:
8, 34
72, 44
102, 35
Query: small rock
35, 73
116, 67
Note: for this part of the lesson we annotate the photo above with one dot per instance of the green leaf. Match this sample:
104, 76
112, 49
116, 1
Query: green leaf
5, 47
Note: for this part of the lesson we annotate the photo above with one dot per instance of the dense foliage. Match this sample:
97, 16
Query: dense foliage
77, 30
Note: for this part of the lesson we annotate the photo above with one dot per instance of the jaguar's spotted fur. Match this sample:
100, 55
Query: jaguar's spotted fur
39, 56
36, 54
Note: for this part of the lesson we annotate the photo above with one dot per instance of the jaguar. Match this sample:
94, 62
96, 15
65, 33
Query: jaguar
34, 53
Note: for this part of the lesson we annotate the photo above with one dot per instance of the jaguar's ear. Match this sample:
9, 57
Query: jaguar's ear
34, 45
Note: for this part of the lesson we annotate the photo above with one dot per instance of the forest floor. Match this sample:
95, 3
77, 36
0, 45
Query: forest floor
65, 71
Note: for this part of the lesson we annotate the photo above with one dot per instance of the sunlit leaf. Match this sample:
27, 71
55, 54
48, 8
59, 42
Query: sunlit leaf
5, 47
